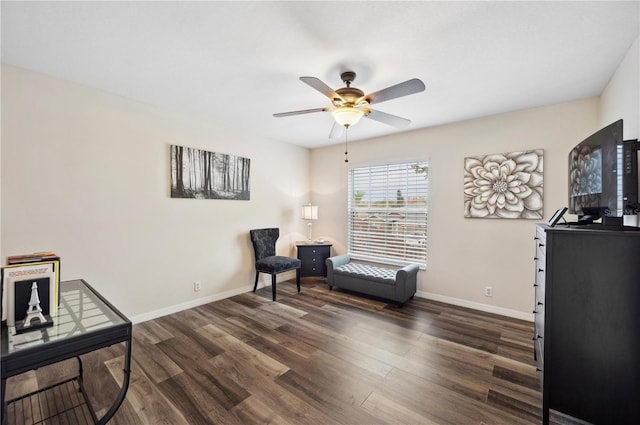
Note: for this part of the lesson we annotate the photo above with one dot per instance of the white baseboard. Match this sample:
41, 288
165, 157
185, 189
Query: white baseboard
421, 294
206, 300
186, 305
477, 306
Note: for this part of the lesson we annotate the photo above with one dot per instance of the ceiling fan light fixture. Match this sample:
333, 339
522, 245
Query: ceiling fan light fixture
347, 115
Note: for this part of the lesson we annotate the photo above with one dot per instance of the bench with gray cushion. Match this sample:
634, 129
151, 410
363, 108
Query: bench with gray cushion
396, 285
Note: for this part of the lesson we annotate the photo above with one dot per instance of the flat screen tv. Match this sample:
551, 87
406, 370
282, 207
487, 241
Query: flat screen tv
603, 177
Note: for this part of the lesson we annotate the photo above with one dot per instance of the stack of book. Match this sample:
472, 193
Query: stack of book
36, 257
28, 278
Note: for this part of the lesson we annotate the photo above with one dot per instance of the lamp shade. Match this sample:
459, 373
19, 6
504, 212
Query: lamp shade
347, 115
309, 212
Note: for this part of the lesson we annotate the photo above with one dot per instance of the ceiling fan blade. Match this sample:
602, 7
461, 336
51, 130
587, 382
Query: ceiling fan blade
402, 89
389, 119
336, 131
321, 87
303, 111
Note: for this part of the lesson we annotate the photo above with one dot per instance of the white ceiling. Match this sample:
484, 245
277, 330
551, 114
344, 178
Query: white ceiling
237, 63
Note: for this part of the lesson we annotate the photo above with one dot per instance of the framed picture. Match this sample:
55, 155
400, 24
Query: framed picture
505, 185
30, 288
557, 216
200, 174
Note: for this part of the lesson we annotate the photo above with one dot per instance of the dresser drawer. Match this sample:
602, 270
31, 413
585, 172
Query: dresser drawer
541, 243
313, 270
538, 323
539, 347
313, 257
313, 253
538, 335
539, 279
539, 292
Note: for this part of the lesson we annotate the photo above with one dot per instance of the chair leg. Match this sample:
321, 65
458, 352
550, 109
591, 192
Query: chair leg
298, 279
273, 286
255, 285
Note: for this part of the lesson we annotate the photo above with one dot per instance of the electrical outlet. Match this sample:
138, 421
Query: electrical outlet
197, 285
488, 291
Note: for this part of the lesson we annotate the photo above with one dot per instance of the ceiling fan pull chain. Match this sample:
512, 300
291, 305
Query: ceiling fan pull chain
346, 141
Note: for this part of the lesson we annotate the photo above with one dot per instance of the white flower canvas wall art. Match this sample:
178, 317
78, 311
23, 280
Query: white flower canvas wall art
505, 185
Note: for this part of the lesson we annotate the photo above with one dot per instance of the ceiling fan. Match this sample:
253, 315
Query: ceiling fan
350, 103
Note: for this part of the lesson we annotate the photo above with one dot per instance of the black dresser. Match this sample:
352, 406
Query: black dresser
313, 256
587, 322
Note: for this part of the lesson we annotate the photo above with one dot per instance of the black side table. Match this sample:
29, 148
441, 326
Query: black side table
84, 322
313, 256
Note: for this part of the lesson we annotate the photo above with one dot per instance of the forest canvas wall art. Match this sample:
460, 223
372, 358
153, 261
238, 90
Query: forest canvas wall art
505, 185
200, 174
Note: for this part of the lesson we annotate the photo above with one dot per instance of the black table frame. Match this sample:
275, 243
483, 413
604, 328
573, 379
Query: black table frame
56, 351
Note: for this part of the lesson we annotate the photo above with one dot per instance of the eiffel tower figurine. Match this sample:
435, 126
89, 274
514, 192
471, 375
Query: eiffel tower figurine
34, 311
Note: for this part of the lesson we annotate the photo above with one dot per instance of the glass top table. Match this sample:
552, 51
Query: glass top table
84, 322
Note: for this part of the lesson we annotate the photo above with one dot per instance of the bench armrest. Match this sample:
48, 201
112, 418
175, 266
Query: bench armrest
333, 262
407, 281
407, 272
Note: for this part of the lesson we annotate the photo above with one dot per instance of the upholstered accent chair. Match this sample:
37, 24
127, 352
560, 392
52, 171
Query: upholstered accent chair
264, 247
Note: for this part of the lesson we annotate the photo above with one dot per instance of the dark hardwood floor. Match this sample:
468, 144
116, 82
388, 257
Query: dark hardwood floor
315, 357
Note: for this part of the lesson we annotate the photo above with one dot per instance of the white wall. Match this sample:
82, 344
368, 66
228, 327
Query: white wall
465, 255
86, 174
621, 99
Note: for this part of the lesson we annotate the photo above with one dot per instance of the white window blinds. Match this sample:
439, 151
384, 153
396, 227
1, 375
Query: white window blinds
388, 213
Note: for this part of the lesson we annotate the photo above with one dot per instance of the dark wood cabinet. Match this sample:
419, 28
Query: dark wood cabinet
313, 257
587, 322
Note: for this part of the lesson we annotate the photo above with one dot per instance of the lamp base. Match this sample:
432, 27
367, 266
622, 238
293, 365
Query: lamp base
310, 227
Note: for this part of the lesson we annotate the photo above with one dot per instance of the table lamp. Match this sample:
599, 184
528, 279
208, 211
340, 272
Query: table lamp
310, 212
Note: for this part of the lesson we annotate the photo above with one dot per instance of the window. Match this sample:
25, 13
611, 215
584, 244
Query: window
388, 213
